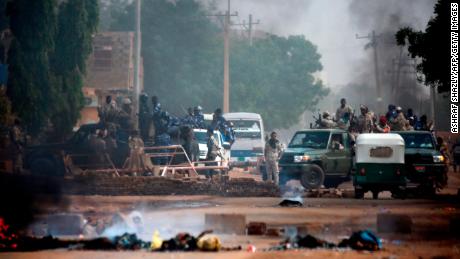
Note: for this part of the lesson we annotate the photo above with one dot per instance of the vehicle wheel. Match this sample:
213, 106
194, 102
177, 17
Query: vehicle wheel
312, 179
375, 194
359, 193
43, 166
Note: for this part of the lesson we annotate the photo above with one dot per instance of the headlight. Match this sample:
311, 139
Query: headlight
438, 159
298, 159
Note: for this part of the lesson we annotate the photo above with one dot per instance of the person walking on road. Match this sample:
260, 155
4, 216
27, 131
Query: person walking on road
272, 155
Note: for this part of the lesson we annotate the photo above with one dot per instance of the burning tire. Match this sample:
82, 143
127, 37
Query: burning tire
312, 179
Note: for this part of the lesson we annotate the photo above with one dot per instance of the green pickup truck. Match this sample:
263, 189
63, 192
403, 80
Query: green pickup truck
317, 157
425, 167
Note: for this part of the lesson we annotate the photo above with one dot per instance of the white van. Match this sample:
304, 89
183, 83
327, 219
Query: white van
249, 138
202, 139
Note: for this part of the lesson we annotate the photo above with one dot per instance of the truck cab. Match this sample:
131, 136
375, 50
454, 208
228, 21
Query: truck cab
425, 167
317, 157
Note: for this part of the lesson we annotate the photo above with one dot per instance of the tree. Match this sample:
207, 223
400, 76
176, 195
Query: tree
33, 25
77, 21
432, 47
182, 50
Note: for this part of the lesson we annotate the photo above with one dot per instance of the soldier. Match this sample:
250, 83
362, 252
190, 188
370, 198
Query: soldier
198, 117
190, 144
382, 125
399, 122
125, 115
326, 121
343, 114
136, 158
218, 121
272, 155
365, 120
189, 120
144, 117
213, 150
109, 112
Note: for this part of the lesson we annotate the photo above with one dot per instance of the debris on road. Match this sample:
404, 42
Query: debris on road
290, 203
361, 240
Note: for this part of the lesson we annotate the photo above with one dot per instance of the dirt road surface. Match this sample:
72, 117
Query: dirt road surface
331, 219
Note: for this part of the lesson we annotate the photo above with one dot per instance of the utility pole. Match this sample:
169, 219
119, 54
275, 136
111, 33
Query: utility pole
227, 24
373, 44
248, 27
137, 62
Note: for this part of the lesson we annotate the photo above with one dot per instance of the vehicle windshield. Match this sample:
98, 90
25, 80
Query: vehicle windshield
317, 140
202, 137
418, 141
249, 129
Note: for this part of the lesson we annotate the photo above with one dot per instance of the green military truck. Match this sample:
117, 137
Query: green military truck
317, 157
425, 166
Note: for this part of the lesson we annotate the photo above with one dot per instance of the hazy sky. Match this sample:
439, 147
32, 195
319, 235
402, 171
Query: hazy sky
331, 25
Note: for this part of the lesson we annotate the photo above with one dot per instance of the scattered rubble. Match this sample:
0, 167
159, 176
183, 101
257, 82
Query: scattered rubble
290, 203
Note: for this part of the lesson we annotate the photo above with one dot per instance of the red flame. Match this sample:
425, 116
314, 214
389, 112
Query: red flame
6, 237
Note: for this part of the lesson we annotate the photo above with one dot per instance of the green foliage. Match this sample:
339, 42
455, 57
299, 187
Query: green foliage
431, 47
182, 50
33, 25
47, 60
77, 21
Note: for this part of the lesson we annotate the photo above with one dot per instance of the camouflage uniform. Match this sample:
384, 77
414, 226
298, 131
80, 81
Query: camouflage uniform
343, 115
399, 123
365, 123
272, 154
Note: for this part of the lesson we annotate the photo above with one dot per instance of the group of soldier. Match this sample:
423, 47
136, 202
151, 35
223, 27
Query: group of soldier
163, 129
368, 122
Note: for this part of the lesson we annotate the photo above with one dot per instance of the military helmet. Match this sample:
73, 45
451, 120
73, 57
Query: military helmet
198, 108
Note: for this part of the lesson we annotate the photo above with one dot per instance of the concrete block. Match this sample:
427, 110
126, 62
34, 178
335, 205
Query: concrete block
393, 223
257, 228
226, 223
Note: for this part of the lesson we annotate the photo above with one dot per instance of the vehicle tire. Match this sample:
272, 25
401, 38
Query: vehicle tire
375, 194
43, 166
359, 193
312, 179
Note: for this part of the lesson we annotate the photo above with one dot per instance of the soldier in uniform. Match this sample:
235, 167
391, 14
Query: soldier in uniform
137, 161
272, 155
156, 114
213, 150
365, 120
343, 114
382, 125
189, 120
399, 123
144, 116
109, 112
218, 121
326, 121
198, 117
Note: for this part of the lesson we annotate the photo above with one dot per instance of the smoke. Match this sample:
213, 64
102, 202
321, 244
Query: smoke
23, 198
396, 70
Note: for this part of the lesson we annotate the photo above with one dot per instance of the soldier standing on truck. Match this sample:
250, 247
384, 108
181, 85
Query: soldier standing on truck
365, 120
272, 155
326, 121
343, 114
